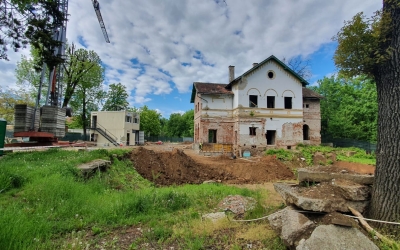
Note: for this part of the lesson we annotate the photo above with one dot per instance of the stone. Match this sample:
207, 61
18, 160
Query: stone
275, 220
294, 226
327, 204
336, 238
353, 191
214, 216
319, 176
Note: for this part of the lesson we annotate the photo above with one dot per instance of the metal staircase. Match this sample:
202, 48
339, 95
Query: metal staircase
110, 137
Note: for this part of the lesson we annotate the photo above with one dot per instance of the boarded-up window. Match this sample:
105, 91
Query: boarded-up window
288, 102
253, 101
270, 102
252, 130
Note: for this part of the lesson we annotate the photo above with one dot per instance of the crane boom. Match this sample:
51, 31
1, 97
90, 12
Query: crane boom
96, 7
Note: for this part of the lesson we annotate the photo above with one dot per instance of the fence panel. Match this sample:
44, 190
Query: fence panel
167, 139
346, 142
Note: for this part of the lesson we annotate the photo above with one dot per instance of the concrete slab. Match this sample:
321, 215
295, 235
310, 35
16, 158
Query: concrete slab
92, 166
353, 191
312, 174
336, 238
327, 204
294, 226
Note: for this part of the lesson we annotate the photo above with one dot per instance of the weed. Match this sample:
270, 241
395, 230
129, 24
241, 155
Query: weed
281, 154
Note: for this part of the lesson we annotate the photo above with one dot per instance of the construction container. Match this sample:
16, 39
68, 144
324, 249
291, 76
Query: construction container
3, 126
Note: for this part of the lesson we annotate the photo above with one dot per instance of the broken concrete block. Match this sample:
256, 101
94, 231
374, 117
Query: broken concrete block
291, 195
353, 191
336, 237
316, 175
214, 216
275, 220
294, 226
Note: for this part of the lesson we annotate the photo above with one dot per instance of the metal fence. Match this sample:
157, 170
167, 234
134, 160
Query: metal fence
346, 142
168, 139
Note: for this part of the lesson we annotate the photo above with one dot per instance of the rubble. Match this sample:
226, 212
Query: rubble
320, 195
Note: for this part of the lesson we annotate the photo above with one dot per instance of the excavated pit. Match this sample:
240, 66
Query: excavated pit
174, 167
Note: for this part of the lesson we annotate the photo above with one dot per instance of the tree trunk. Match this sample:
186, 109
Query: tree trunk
385, 200
84, 113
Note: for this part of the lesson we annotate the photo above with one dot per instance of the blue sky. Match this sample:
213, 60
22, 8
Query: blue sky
159, 48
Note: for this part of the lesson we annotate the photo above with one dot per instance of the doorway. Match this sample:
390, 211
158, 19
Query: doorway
270, 137
212, 136
94, 121
127, 139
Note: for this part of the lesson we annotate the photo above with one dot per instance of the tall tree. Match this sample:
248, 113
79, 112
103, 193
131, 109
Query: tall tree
116, 98
88, 95
372, 47
150, 121
82, 67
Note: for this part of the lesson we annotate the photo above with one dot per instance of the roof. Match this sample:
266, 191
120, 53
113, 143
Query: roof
272, 57
209, 88
308, 93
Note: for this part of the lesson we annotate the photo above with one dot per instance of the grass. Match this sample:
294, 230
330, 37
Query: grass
360, 156
45, 203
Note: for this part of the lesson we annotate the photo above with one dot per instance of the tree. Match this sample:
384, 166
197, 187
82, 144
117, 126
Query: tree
82, 67
116, 98
88, 94
13, 17
372, 47
8, 99
349, 109
181, 125
300, 66
150, 121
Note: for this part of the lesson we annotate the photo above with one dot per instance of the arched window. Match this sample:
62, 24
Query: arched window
306, 131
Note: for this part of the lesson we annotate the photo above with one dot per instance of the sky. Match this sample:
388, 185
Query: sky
160, 47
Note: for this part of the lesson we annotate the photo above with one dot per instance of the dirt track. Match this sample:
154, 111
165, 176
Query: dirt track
168, 165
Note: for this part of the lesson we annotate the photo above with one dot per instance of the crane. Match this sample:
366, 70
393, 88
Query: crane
52, 115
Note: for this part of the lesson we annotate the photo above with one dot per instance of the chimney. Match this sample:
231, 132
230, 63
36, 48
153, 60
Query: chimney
255, 64
231, 73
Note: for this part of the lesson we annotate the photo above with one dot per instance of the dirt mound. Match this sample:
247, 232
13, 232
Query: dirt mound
176, 167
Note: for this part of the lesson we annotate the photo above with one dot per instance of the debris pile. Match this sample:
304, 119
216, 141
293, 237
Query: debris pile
313, 218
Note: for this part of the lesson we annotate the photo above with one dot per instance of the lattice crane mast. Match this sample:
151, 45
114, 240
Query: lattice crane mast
96, 7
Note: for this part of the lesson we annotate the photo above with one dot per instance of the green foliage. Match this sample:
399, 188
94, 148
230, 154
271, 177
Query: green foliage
150, 121
181, 125
281, 154
359, 50
10, 97
350, 107
116, 98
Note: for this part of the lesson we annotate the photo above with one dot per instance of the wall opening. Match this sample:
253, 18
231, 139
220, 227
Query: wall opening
270, 135
306, 131
252, 130
288, 102
94, 121
212, 136
128, 138
270, 102
253, 101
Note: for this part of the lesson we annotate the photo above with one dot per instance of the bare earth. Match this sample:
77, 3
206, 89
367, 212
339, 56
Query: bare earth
168, 165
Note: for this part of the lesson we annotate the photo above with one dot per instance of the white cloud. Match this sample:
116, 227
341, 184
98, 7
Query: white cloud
162, 35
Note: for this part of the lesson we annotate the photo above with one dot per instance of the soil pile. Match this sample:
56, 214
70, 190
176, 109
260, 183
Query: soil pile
175, 167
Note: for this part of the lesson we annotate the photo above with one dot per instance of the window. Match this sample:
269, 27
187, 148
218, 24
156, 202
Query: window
288, 102
307, 106
212, 136
271, 74
270, 137
128, 118
253, 101
252, 130
270, 102
306, 130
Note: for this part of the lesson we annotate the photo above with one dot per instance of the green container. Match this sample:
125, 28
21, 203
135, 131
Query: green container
3, 126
